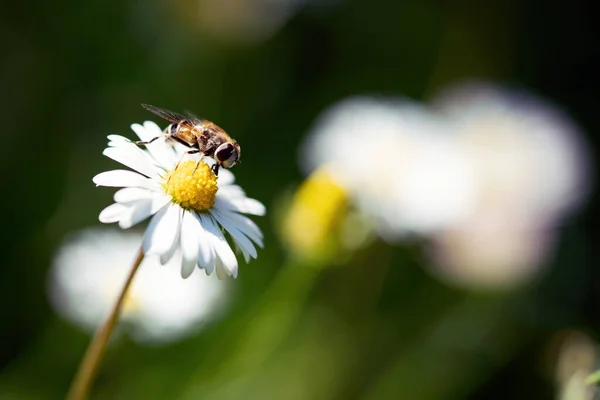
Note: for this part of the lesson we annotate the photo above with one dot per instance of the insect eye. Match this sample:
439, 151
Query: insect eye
224, 152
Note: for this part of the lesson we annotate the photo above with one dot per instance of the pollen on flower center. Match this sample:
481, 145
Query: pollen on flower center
192, 185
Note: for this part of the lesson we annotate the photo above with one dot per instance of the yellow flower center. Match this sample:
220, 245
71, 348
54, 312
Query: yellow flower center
192, 185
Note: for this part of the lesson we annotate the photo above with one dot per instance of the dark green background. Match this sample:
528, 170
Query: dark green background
380, 327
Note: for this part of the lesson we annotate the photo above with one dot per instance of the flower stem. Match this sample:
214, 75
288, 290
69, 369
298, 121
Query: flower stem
93, 356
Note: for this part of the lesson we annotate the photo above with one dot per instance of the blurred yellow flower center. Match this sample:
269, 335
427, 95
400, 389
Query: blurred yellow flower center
192, 185
313, 219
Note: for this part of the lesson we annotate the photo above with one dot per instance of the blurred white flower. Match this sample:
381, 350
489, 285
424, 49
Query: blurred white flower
187, 202
486, 174
487, 252
89, 271
527, 154
530, 169
395, 161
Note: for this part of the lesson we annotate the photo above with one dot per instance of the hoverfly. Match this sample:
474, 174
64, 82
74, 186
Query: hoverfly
200, 135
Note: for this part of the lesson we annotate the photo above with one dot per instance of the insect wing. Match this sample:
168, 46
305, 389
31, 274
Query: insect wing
166, 114
195, 120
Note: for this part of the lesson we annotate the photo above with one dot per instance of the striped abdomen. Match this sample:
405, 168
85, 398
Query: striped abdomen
183, 132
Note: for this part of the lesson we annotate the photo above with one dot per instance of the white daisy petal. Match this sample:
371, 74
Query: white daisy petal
112, 213
120, 142
251, 206
129, 194
187, 267
148, 131
136, 212
222, 250
189, 243
116, 139
162, 230
209, 271
135, 159
162, 151
153, 130
151, 236
224, 203
226, 177
222, 272
243, 243
206, 254
209, 268
142, 209
168, 255
241, 239
233, 191
233, 270
124, 178
240, 205
244, 224
244, 252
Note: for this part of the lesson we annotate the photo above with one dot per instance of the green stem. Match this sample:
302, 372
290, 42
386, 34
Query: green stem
93, 356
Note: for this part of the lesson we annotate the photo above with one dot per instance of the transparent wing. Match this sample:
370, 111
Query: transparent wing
193, 117
166, 114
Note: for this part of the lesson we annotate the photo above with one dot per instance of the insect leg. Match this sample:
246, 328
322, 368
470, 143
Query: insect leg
166, 133
195, 151
176, 166
180, 141
141, 143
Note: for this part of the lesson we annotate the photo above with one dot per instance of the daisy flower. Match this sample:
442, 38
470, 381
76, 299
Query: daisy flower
190, 206
87, 274
393, 158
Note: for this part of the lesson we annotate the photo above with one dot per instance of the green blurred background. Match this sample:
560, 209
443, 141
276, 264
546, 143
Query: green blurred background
378, 327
